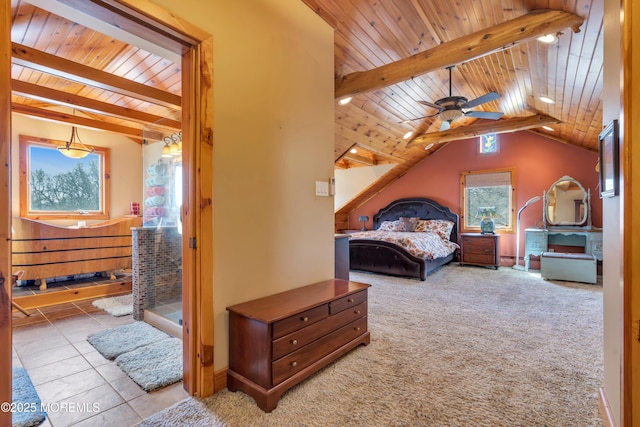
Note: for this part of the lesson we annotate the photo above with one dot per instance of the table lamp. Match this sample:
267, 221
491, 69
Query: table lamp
363, 219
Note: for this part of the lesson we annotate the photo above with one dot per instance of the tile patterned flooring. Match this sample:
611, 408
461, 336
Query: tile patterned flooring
65, 369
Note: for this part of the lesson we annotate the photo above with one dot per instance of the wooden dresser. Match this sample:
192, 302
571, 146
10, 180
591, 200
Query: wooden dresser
279, 340
480, 249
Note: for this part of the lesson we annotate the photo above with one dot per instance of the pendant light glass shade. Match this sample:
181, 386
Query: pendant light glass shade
74, 148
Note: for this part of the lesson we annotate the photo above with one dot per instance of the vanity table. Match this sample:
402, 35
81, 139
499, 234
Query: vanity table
537, 241
566, 222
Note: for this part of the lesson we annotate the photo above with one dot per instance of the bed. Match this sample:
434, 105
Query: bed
368, 252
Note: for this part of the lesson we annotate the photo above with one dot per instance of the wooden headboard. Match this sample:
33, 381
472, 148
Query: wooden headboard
416, 207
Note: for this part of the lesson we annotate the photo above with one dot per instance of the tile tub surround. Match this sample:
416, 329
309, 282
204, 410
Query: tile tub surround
157, 267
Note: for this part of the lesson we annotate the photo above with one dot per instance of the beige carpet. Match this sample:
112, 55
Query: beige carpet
468, 347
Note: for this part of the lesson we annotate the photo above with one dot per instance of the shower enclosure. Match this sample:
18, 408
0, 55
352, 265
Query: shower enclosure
157, 245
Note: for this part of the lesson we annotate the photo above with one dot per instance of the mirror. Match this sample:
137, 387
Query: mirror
566, 203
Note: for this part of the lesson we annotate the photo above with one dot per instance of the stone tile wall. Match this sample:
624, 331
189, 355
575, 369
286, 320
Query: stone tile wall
157, 267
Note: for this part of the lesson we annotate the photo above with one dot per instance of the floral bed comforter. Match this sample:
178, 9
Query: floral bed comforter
426, 245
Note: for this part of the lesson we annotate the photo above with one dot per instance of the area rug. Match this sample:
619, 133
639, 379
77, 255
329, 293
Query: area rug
154, 366
150, 357
469, 346
116, 306
25, 396
113, 342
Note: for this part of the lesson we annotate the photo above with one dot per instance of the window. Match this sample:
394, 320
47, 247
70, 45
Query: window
53, 186
486, 192
489, 143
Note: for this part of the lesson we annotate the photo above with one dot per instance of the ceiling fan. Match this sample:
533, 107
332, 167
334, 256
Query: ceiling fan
454, 107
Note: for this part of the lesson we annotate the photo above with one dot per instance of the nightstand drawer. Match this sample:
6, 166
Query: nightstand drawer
485, 259
479, 245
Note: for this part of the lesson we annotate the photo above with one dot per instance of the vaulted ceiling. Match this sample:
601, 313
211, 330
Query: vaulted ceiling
392, 57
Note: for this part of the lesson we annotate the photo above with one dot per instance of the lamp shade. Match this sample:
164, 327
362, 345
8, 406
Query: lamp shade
74, 148
487, 212
363, 218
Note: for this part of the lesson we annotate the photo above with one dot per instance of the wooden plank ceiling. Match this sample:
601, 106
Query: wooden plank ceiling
66, 72
389, 56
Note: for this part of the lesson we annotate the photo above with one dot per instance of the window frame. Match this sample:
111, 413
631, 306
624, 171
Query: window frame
463, 204
103, 153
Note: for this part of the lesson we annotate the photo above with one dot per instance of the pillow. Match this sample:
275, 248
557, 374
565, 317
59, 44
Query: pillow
408, 224
442, 227
390, 226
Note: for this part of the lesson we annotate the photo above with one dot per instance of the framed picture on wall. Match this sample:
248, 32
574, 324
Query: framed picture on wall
608, 147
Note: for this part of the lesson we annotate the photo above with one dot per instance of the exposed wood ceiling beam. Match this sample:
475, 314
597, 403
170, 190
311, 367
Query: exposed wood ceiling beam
46, 94
76, 120
475, 45
60, 67
475, 130
360, 159
79, 11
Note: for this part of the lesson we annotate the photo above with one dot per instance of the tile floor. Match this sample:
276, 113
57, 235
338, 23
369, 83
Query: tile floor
51, 345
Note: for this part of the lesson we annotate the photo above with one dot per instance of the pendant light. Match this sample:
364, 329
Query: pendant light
74, 148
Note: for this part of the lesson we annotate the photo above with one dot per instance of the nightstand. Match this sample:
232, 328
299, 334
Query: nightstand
480, 249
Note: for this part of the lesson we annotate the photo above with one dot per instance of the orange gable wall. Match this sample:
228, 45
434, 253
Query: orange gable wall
538, 162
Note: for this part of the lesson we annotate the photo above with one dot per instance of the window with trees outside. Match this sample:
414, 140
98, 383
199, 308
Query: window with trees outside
53, 186
487, 193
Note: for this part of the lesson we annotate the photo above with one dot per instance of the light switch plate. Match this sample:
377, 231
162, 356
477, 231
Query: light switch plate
322, 188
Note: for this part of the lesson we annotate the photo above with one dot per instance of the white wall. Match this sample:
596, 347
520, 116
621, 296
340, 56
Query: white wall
611, 219
273, 138
350, 182
126, 161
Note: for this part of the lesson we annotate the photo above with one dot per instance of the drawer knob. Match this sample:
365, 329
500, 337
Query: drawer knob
294, 364
357, 328
350, 300
294, 342
357, 311
304, 319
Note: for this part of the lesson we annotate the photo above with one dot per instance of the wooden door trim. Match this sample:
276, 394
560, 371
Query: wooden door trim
5, 211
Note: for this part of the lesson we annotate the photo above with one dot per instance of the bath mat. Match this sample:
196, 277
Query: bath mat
111, 343
154, 365
25, 396
116, 306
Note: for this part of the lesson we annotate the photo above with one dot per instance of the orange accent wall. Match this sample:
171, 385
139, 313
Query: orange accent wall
538, 163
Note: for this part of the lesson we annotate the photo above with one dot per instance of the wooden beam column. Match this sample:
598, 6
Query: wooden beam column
5, 211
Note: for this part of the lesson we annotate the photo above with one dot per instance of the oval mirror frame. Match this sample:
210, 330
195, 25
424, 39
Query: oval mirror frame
566, 203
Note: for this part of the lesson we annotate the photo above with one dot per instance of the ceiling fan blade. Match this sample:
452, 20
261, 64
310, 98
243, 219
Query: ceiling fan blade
445, 125
491, 115
430, 104
487, 97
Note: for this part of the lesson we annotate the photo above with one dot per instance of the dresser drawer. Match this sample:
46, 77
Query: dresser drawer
347, 302
302, 337
300, 320
287, 366
479, 258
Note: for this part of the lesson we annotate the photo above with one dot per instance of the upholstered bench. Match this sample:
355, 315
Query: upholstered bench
568, 266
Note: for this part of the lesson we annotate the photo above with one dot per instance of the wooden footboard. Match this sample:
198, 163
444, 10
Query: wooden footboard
45, 251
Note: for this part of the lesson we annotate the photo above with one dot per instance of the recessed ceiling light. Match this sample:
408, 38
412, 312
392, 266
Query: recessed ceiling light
353, 151
345, 101
428, 146
549, 128
407, 135
547, 100
548, 39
